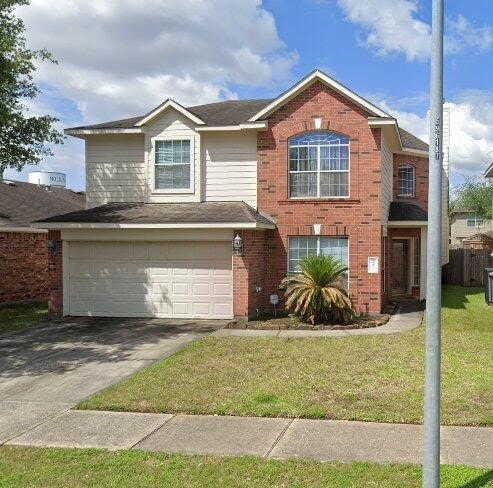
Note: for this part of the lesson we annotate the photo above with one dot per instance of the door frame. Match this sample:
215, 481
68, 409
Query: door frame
409, 268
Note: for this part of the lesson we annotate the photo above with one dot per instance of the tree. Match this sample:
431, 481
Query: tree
317, 292
24, 139
476, 195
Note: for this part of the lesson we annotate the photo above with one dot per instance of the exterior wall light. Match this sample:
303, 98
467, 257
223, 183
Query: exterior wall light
238, 246
51, 245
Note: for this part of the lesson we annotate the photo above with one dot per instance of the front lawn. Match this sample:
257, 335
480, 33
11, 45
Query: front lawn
20, 467
370, 378
22, 315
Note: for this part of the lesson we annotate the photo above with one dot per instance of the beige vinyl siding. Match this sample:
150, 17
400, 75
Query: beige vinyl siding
172, 125
230, 166
387, 180
459, 229
115, 169
445, 185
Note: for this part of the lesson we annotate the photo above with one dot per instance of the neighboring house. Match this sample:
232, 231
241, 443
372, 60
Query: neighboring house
318, 169
23, 250
464, 224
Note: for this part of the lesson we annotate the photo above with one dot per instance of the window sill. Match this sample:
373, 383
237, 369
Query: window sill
173, 192
316, 201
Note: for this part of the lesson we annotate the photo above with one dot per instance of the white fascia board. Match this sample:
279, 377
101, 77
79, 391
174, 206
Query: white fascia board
23, 229
407, 223
262, 125
308, 80
219, 225
414, 152
165, 105
89, 132
489, 171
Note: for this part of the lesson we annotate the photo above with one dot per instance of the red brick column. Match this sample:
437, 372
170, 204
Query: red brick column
249, 272
55, 275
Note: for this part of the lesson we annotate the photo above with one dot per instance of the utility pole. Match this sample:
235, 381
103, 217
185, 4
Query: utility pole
431, 458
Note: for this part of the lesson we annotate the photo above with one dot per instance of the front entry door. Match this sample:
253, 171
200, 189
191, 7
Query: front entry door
399, 267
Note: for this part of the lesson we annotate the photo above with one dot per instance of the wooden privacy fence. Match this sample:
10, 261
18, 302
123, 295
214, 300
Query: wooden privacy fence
466, 267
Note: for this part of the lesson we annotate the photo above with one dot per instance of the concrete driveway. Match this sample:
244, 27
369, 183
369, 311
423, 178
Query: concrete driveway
49, 368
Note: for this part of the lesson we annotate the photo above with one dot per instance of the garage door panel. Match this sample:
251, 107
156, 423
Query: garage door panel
151, 279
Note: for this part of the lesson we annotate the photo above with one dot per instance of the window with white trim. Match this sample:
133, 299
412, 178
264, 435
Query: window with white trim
301, 246
406, 181
173, 164
319, 165
475, 221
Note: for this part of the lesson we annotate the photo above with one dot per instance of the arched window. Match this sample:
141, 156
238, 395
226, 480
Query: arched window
319, 165
406, 181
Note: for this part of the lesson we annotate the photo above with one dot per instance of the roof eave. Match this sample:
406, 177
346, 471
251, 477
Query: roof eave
407, 223
87, 132
105, 225
307, 81
489, 171
260, 125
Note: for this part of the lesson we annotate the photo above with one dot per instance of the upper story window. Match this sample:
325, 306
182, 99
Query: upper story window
173, 164
406, 181
475, 221
319, 165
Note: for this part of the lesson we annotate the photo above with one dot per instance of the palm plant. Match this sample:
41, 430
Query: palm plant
317, 293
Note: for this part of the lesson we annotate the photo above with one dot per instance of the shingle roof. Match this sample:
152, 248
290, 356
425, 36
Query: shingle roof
22, 203
233, 112
411, 141
165, 213
406, 211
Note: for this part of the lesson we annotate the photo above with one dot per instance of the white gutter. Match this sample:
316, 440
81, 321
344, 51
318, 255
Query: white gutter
87, 132
101, 225
23, 229
246, 126
407, 223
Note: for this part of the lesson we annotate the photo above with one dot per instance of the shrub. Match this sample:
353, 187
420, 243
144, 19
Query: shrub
318, 293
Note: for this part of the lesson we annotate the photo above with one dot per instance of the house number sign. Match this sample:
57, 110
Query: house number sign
373, 265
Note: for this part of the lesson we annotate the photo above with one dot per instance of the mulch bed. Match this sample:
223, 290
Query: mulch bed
294, 323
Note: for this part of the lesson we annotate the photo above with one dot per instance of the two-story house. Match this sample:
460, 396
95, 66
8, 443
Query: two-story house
468, 229
318, 169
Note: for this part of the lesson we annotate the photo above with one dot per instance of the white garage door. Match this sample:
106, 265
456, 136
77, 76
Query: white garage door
150, 279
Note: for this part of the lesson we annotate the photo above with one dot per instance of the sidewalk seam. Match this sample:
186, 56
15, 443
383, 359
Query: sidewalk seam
44, 421
274, 444
152, 432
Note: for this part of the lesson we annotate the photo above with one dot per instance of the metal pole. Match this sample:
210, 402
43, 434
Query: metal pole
431, 458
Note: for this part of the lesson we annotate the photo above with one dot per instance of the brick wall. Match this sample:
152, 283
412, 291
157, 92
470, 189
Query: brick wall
23, 266
421, 183
55, 275
357, 217
249, 272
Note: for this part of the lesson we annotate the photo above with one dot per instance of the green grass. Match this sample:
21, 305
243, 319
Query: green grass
19, 316
369, 378
21, 467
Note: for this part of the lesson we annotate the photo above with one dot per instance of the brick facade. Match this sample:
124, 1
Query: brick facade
357, 217
421, 179
23, 267
55, 275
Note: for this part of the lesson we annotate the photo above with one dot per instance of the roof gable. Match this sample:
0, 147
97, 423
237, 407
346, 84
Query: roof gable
304, 83
169, 103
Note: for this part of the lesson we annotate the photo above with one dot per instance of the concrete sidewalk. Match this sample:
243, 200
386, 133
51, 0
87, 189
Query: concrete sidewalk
275, 438
408, 316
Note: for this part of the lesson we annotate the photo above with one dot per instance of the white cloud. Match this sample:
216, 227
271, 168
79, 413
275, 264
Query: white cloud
122, 57
391, 26
394, 27
471, 130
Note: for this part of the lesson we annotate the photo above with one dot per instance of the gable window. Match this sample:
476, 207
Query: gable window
302, 246
173, 164
319, 165
406, 181
475, 221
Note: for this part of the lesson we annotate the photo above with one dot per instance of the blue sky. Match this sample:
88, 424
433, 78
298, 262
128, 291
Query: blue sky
117, 61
